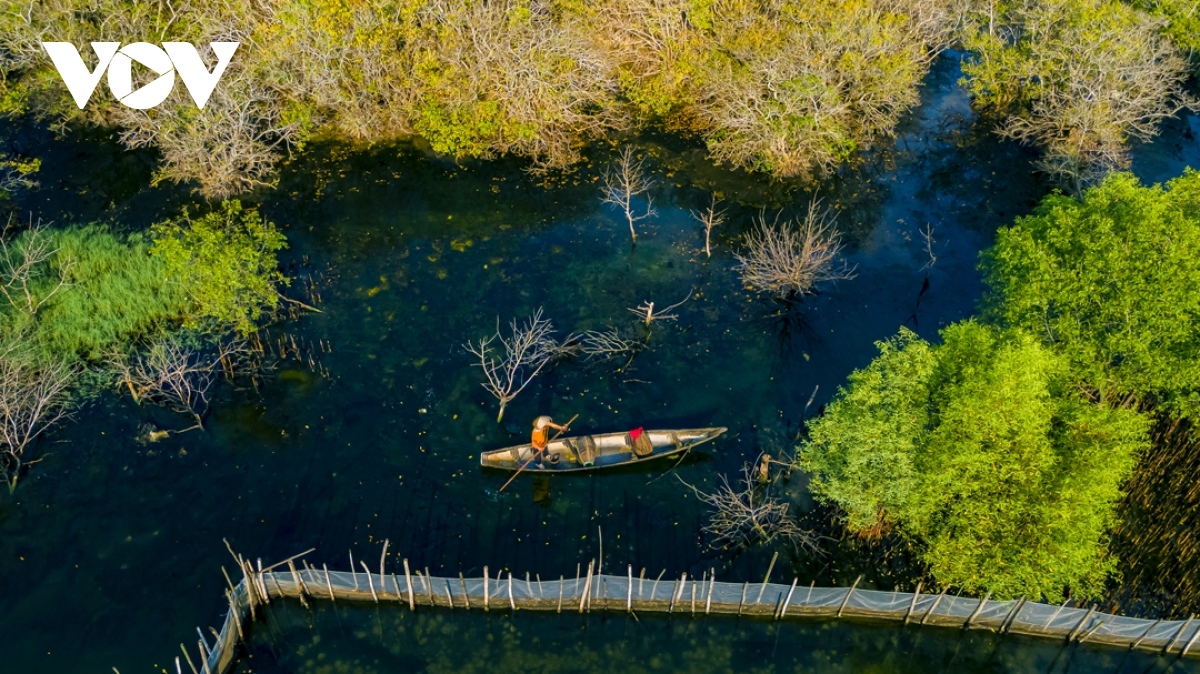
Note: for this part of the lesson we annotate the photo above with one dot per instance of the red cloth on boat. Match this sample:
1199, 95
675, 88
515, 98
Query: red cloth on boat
633, 435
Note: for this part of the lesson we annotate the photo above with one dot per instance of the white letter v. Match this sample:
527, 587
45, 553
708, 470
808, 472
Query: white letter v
74, 72
198, 80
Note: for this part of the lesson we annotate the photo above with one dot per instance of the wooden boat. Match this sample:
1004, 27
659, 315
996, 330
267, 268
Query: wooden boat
605, 450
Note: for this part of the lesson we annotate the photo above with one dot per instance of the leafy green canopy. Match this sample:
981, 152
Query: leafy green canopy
224, 261
1111, 281
980, 448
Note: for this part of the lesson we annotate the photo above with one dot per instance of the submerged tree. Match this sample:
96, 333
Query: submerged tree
175, 375
34, 395
981, 450
742, 517
789, 260
510, 362
625, 181
710, 217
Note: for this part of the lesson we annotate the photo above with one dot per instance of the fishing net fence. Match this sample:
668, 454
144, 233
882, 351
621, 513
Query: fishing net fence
687, 595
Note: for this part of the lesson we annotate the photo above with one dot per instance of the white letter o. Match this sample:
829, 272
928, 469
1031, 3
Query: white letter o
120, 75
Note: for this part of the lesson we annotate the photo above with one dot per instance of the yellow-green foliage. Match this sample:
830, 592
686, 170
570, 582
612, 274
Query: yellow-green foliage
224, 263
1182, 19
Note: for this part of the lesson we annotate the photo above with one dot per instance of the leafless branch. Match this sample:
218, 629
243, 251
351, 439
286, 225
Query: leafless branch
748, 515
646, 312
510, 363
710, 217
928, 241
624, 181
609, 344
24, 261
175, 376
788, 260
33, 397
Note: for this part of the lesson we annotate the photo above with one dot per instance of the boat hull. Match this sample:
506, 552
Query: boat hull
610, 450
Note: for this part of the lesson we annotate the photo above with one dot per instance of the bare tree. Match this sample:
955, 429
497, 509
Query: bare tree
33, 397
24, 261
510, 363
623, 182
176, 376
600, 345
747, 515
789, 260
710, 217
645, 311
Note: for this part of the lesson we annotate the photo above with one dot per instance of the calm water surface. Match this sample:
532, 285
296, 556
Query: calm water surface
112, 548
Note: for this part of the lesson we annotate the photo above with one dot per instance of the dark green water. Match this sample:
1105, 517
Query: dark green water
366, 640
112, 549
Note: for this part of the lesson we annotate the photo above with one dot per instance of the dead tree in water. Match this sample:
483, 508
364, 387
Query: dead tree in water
175, 376
789, 260
24, 259
624, 181
601, 345
646, 312
710, 218
748, 515
510, 363
33, 397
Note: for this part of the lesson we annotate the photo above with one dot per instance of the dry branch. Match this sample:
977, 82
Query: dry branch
748, 515
33, 397
510, 363
624, 181
175, 376
788, 260
710, 217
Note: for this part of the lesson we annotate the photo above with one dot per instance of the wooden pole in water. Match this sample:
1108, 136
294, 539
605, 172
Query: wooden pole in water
428, 586
203, 655
712, 580
396, 587
1090, 632
654, 590
1013, 614
808, 598
934, 606
328, 583
587, 588
383, 558
1081, 623
412, 605
299, 583
353, 574
449, 595
787, 602
767, 578
541, 591
641, 582
466, 597
978, 608
511, 603
1051, 620
847, 598
745, 586
370, 583
263, 582
486, 599
187, 656
693, 596
1145, 634
561, 582
913, 605
1178, 634
237, 620
629, 593
1187, 647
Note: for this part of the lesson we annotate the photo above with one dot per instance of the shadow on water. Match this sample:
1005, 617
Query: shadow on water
118, 544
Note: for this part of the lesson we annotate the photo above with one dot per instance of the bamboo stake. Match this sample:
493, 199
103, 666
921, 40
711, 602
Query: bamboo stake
528, 587
808, 597
1187, 647
1178, 634
511, 603
262, 581
301, 588
449, 595
978, 608
641, 582
396, 587
412, 605
486, 597
934, 606
383, 558
561, 582
693, 596
847, 599
1090, 632
1012, 616
767, 578
787, 602
428, 586
629, 593
187, 656
742, 603
328, 582
237, 620
1081, 623
1145, 634
353, 575
276, 582
370, 583
654, 590
1051, 620
204, 662
466, 597
712, 580
913, 605
587, 589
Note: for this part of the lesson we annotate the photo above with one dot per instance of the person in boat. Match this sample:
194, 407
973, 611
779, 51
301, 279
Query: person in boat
541, 438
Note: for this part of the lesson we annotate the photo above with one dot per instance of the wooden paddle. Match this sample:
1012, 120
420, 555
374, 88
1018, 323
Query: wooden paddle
535, 454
